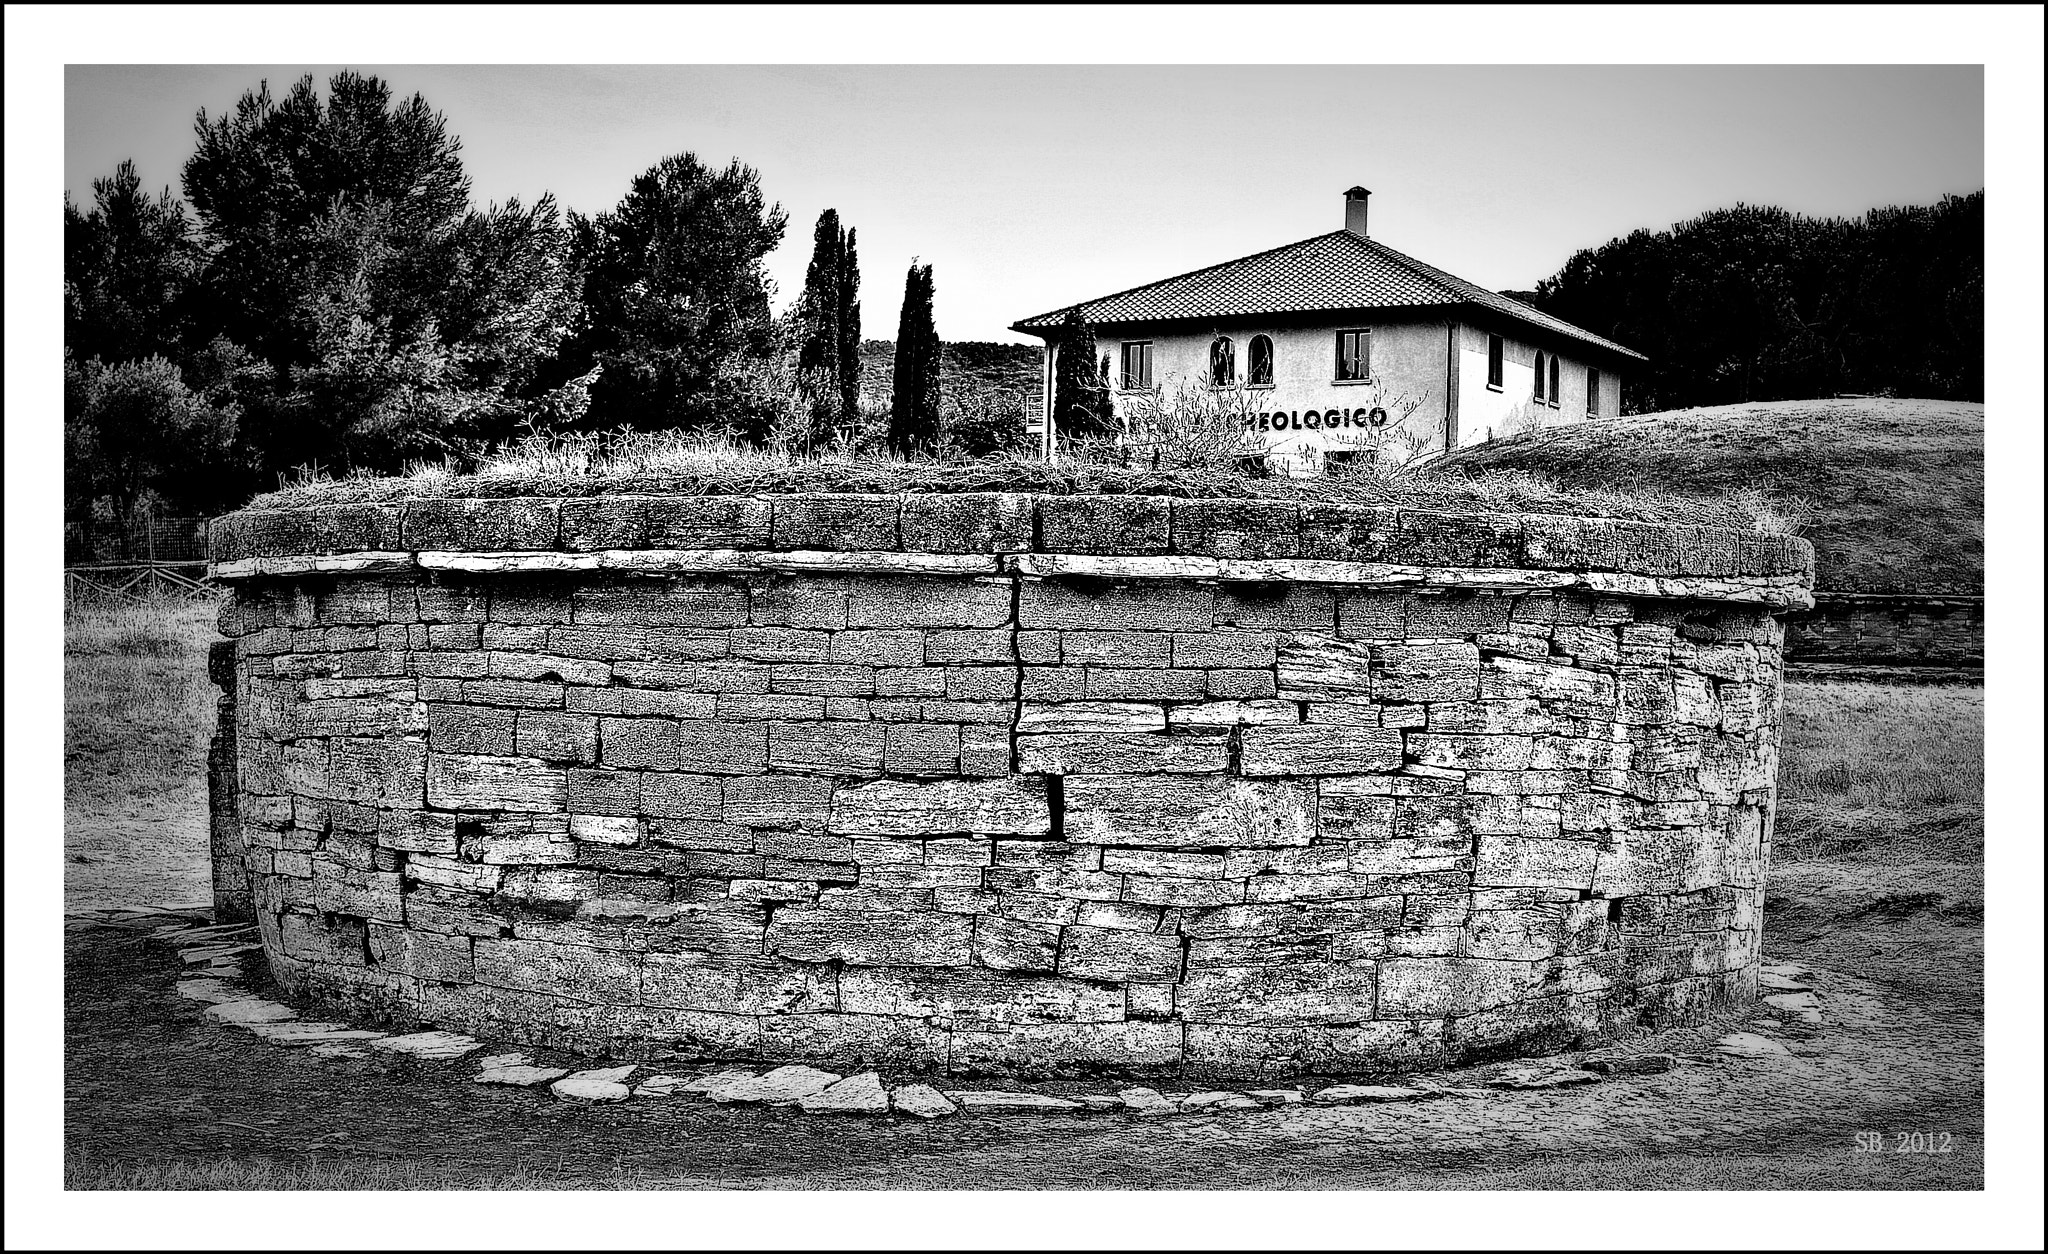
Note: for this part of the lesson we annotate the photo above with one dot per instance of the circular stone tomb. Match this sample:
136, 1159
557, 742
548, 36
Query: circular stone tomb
1002, 783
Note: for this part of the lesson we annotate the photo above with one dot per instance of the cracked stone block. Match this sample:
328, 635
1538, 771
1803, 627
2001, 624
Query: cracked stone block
520, 1076
250, 1010
1358, 1094
431, 1045
1145, 1101
290, 1033
861, 1094
1631, 1064
779, 1087
981, 1099
1542, 1078
923, 1101
601, 1084
1749, 1045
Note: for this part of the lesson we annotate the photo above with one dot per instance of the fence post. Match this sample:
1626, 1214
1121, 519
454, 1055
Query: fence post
233, 901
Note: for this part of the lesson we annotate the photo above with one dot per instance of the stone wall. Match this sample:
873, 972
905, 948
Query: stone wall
1004, 784
1889, 630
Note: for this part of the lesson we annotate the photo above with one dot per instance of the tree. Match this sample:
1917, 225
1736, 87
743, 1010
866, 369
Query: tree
914, 405
135, 427
849, 328
343, 254
1753, 303
129, 265
1081, 404
829, 313
675, 295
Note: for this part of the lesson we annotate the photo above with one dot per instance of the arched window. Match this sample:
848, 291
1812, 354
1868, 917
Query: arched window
1553, 381
1259, 362
1539, 378
1222, 362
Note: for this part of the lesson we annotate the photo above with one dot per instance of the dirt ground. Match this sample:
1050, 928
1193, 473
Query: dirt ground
1877, 885
158, 1097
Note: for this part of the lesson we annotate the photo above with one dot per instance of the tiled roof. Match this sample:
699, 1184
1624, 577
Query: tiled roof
1338, 271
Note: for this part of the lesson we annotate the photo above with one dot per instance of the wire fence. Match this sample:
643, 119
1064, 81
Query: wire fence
145, 538
135, 583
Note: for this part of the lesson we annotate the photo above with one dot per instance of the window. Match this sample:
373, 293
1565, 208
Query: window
1222, 362
1137, 372
1593, 393
1259, 362
1340, 462
1539, 378
1494, 352
1553, 380
1354, 356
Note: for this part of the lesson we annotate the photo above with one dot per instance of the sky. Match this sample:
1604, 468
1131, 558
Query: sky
1028, 188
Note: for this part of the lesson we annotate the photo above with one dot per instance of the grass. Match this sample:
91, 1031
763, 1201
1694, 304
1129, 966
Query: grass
703, 464
138, 708
1881, 771
1894, 488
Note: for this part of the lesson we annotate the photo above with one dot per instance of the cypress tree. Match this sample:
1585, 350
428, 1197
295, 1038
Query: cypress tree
818, 355
849, 329
1080, 399
914, 407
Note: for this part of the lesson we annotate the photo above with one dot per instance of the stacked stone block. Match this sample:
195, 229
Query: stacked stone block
1002, 784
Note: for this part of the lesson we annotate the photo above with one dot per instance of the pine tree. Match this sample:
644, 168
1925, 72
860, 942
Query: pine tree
1080, 398
914, 409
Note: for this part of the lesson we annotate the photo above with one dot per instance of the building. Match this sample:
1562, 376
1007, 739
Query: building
1338, 347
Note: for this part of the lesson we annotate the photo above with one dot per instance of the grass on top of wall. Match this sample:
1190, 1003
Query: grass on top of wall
695, 464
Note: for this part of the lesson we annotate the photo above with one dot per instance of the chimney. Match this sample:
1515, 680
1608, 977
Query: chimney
1354, 210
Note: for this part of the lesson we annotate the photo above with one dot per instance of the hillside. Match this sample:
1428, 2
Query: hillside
1893, 490
999, 374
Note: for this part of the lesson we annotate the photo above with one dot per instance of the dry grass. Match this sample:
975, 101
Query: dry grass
1894, 488
138, 708
703, 464
1878, 771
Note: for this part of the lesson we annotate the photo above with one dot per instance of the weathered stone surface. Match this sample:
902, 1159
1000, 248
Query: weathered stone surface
1362, 1094
861, 1094
1129, 753
1145, 1102
1200, 799
1631, 1064
601, 1084
431, 1045
293, 1033
1750, 1045
871, 938
922, 1101
211, 991
249, 1010
891, 808
1542, 1078
1275, 1097
1206, 810
520, 1075
1272, 750
780, 1087
999, 1100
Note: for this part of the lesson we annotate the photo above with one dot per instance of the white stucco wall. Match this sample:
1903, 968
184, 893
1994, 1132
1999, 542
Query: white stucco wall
1310, 413
1486, 413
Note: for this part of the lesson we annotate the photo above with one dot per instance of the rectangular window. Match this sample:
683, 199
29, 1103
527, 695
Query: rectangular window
1354, 355
1495, 353
1137, 372
1593, 393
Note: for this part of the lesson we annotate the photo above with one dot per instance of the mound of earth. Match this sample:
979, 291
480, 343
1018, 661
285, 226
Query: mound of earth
1891, 491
